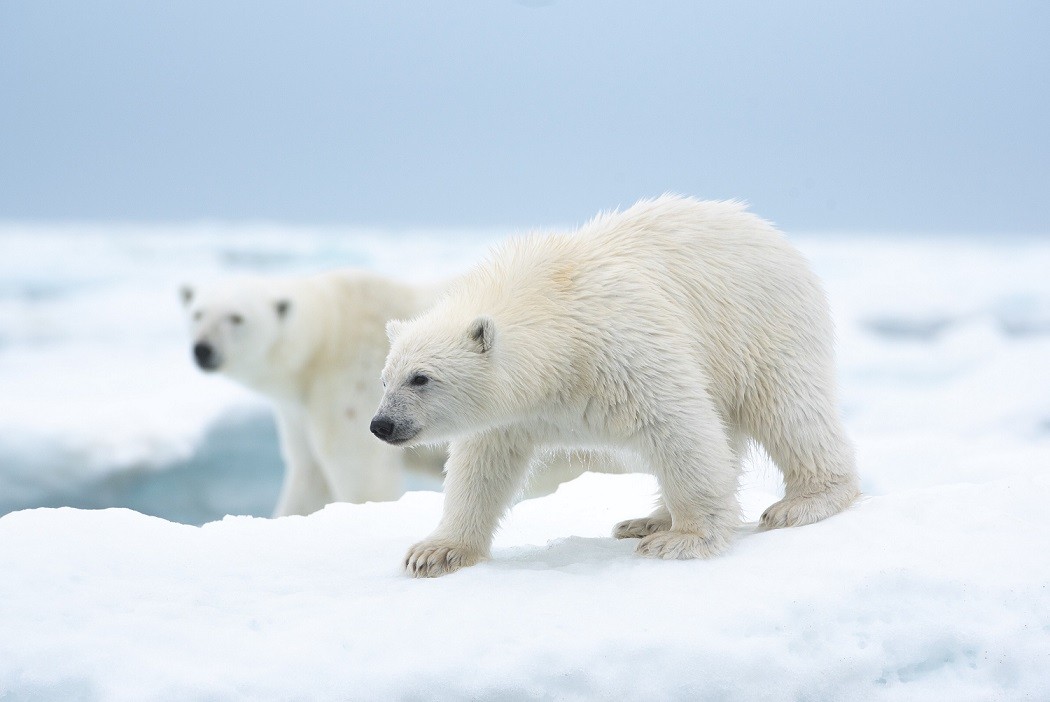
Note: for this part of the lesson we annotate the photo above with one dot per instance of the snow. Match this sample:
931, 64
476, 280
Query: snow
925, 594
933, 587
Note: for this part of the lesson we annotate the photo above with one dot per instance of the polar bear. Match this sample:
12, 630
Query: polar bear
314, 346
676, 331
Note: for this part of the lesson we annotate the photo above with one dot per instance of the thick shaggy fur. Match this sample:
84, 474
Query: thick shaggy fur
675, 331
314, 346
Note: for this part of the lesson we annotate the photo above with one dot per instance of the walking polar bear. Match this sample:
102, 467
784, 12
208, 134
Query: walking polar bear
676, 331
314, 346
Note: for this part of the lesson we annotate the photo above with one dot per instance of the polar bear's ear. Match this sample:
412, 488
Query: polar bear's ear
186, 294
393, 329
483, 333
282, 307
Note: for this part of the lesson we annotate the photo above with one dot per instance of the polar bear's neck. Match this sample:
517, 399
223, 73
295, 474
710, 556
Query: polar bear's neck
528, 289
335, 342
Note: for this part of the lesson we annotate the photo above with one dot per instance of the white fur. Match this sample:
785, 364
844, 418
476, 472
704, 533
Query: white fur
675, 331
319, 364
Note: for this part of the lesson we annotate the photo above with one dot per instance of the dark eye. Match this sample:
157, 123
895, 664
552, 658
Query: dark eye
236, 319
419, 380
197, 315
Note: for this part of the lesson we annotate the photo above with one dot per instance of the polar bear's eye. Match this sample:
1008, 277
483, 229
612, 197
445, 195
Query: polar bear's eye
419, 379
236, 319
197, 315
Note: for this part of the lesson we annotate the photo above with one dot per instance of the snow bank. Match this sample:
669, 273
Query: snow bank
927, 594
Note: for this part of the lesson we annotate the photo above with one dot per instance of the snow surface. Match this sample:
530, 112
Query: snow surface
934, 587
925, 594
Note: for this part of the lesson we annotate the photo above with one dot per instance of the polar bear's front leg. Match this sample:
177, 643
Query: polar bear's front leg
305, 488
483, 474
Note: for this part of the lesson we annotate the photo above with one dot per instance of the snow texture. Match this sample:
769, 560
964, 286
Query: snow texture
925, 594
933, 587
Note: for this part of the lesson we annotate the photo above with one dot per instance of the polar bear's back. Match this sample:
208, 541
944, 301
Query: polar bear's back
667, 277
706, 252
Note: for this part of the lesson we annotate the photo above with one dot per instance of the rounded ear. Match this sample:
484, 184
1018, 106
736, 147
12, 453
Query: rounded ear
282, 307
186, 295
483, 333
393, 329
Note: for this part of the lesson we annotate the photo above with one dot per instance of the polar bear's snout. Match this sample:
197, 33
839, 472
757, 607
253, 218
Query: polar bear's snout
382, 427
392, 431
206, 356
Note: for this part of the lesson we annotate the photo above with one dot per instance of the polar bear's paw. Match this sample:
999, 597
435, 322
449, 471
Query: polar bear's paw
637, 528
806, 509
432, 558
676, 544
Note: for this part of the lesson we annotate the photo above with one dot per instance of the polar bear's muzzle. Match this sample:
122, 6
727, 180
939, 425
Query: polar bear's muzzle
206, 356
391, 431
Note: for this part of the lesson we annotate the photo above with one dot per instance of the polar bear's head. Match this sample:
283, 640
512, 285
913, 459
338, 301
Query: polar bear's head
235, 324
438, 380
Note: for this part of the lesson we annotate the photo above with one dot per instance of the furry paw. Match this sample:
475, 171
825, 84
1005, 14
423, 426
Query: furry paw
681, 545
431, 558
637, 528
806, 509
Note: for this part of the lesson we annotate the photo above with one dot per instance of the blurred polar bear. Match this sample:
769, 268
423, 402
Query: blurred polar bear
315, 346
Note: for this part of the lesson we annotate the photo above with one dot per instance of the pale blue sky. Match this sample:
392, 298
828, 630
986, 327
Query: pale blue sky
824, 115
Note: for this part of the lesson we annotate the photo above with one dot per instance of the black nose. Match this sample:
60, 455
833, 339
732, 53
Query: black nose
204, 354
382, 427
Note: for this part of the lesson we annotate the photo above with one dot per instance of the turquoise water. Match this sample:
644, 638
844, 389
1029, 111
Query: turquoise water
236, 469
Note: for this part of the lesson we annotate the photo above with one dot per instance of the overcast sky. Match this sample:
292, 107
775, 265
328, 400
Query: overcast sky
824, 115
